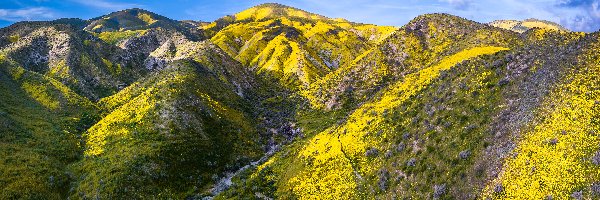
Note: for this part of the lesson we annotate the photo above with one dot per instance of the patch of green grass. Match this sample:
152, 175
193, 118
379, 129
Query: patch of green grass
38, 142
115, 37
14, 38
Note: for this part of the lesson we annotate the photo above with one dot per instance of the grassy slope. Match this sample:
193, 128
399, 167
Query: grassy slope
41, 121
334, 162
84, 63
168, 139
522, 26
423, 41
435, 144
555, 154
295, 46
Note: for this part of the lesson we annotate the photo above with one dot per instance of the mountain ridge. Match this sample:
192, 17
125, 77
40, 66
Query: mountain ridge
522, 26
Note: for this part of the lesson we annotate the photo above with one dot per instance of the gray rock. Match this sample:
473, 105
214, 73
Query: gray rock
499, 188
577, 195
401, 147
464, 154
596, 158
384, 176
503, 82
439, 191
595, 188
388, 154
411, 162
371, 152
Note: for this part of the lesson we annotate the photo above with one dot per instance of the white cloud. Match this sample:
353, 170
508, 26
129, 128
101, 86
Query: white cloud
27, 14
595, 9
584, 14
458, 4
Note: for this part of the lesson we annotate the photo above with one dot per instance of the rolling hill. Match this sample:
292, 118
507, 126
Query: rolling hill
522, 26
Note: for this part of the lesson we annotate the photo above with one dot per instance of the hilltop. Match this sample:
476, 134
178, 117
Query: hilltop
278, 102
522, 26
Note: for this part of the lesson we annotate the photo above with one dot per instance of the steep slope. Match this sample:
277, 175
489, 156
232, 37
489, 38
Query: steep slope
294, 46
260, 12
423, 41
40, 124
522, 26
138, 19
176, 131
473, 129
94, 63
556, 154
348, 154
64, 53
169, 138
198, 91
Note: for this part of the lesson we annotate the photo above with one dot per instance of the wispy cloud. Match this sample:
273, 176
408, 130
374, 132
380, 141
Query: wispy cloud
589, 17
108, 5
459, 4
27, 14
401, 7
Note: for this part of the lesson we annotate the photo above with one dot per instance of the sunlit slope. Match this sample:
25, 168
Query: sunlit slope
425, 40
136, 19
41, 121
130, 19
446, 138
168, 139
339, 162
66, 54
213, 59
522, 26
93, 63
295, 46
557, 155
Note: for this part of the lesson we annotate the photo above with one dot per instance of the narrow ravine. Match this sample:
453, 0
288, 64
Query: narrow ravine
225, 182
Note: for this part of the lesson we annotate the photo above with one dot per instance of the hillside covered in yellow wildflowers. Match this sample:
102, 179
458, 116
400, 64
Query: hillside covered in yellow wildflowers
275, 102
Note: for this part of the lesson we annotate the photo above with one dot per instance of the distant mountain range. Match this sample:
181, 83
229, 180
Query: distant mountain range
279, 103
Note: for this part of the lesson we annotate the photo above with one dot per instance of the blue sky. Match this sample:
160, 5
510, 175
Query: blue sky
579, 15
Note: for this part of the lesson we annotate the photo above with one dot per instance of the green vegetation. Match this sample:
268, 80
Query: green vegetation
168, 153
14, 38
555, 156
276, 102
147, 18
40, 121
117, 36
522, 26
333, 162
295, 46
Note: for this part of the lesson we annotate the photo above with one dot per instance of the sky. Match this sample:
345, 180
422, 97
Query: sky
577, 15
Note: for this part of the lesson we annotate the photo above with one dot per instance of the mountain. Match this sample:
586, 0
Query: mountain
275, 102
420, 43
522, 26
40, 124
292, 45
